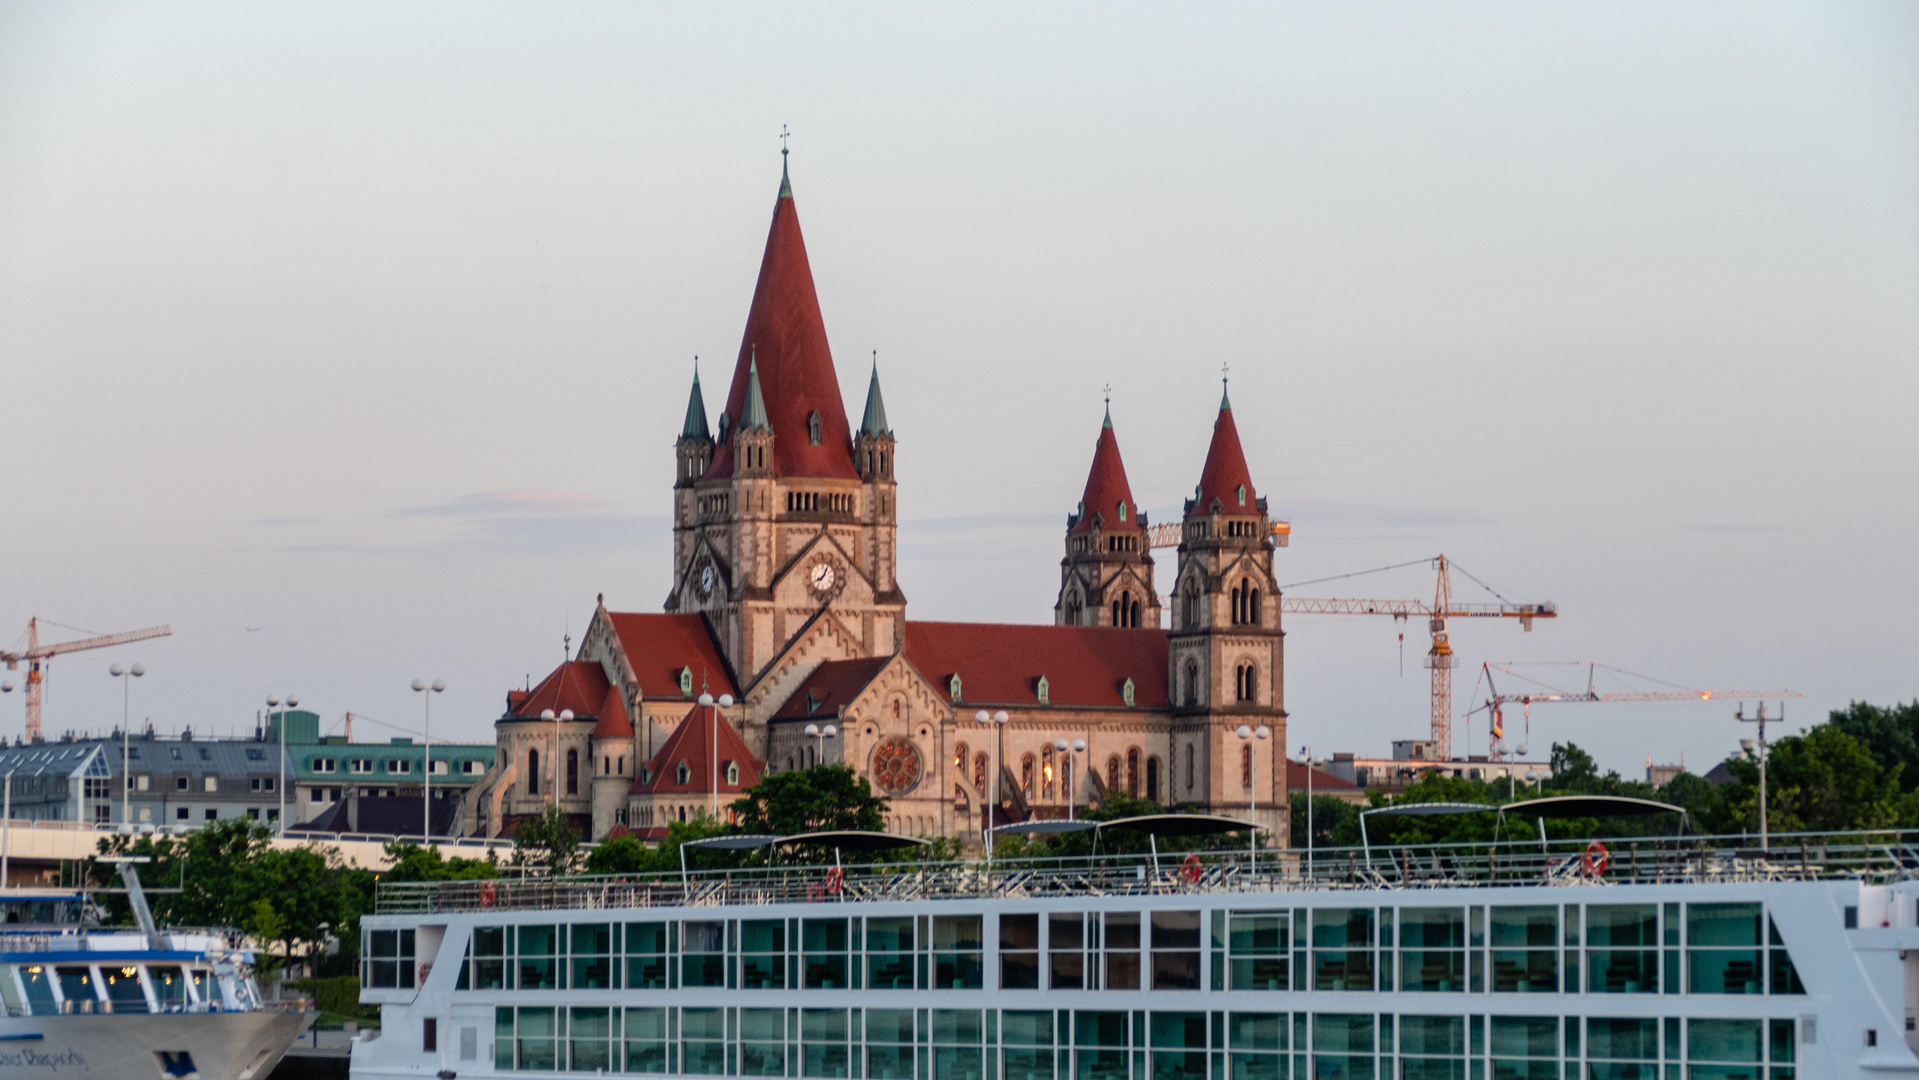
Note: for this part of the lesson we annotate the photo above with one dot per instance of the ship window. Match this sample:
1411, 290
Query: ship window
1783, 975
1342, 949
1066, 951
703, 961
1525, 943
76, 987
763, 954
592, 964
1525, 1047
537, 958
703, 1053
823, 963
1259, 942
763, 1042
489, 958
587, 1045
959, 952
889, 954
1175, 950
646, 1036
39, 983
1343, 1043
124, 990
1621, 948
957, 1038
1254, 1039
1735, 1047
388, 960
1722, 954
890, 1034
823, 1043
1028, 1038
646, 957
1432, 946
1101, 1039
1019, 952
537, 1040
1621, 1048
1122, 940
1432, 1047
1179, 1045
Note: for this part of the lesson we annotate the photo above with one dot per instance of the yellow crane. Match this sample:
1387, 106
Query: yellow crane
36, 656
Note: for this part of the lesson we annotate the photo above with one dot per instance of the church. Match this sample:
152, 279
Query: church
785, 639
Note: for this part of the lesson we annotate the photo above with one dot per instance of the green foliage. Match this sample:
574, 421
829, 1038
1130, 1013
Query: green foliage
810, 800
411, 862
1890, 735
1335, 821
549, 843
630, 855
338, 999
1824, 780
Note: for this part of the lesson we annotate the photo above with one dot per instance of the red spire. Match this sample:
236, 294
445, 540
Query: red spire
1225, 476
1107, 493
785, 333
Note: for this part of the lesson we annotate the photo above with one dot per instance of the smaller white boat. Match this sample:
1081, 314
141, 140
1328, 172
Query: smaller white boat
127, 1004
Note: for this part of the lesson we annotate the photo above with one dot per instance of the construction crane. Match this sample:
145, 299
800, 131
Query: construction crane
1544, 692
36, 655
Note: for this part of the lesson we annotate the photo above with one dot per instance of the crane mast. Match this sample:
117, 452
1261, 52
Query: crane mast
37, 655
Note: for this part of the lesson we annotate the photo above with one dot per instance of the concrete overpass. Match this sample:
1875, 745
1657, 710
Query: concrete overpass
34, 850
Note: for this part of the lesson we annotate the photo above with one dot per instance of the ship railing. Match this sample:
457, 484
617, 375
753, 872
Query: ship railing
1873, 856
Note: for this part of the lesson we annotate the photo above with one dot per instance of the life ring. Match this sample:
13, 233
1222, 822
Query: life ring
1597, 859
486, 894
1189, 869
835, 878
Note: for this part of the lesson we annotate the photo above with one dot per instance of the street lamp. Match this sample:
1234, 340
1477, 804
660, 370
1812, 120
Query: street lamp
553, 748
1761, 721
126, 675
820, 735
1071, 779
713, 759
1261, 733
437, 686
1308, 752
273, 703
998, 722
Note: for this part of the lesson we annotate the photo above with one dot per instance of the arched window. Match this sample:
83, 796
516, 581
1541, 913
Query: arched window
682, 775
1132, 771
1246, 766
733, 773
1136, 615
1026, 776
1235, 605
1115, 613
1112, 773
959, 757
606, 765
1242, 494
979, 774
1246, 683
1191, 695
1066, 777
1252, 606
1192, 764
1047, 774
1189, 614
1072, 609
1152, 779
813, 436
532, 772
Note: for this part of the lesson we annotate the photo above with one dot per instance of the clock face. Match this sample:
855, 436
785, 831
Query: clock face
708, 578
823, 577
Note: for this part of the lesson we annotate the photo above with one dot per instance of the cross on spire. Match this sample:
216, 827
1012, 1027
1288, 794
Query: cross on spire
784, 135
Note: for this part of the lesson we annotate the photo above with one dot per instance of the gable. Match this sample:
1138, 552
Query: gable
1000, 664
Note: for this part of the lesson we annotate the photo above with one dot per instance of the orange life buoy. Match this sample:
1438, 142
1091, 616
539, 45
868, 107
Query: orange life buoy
1597, 859
1189, 869
834, 879
486, 894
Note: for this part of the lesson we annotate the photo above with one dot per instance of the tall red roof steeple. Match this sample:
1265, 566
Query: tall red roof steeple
787, 338
1225, 476
1107, 493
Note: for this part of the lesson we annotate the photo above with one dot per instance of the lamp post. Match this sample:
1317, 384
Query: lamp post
1761, 721
820, 735
1078, 746
553, 748
1308, 752
273, 703
126, 675
426, 779
1261, 734
713, 758
997, 721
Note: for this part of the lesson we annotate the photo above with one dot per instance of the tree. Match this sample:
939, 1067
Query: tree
1824, 780
1890, 735
548, 842
810, 800
411, 862
629, 854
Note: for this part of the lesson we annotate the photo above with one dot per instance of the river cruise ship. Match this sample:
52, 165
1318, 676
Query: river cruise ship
129, 1003
1694, 958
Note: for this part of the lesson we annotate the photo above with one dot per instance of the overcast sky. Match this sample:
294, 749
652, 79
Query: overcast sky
370, 326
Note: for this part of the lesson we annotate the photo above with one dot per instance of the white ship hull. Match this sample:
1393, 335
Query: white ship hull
118, 1046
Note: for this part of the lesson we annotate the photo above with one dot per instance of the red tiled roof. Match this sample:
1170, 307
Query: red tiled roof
1225, 469
830, 686
1001, 664
658, 646
578, 685
785, 333
692, 742
1322, 780
614, 723
1106, 489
